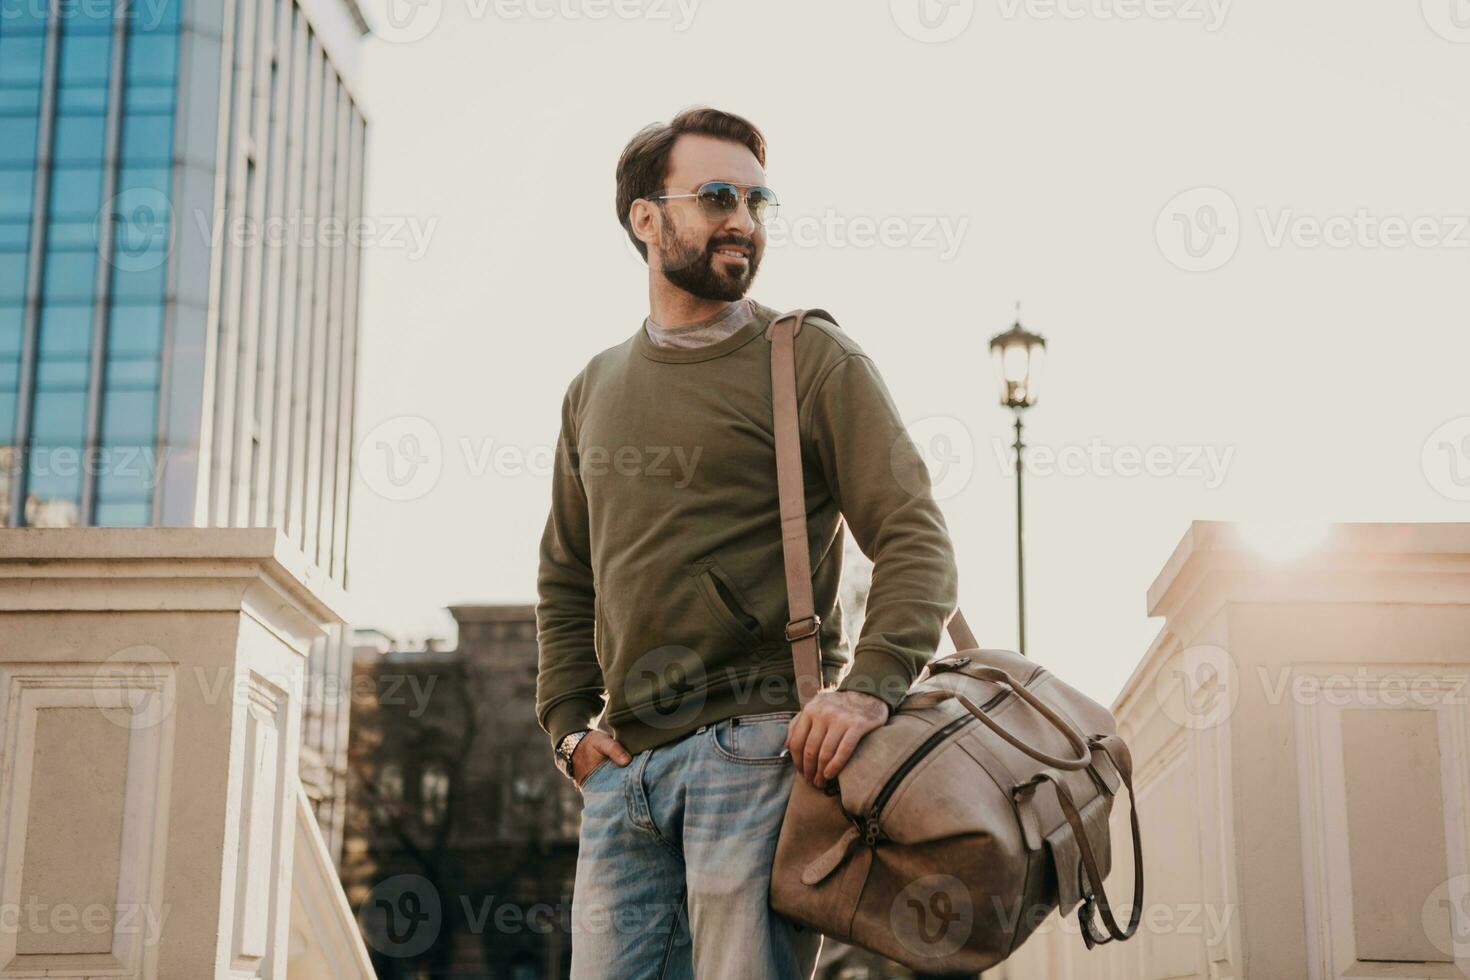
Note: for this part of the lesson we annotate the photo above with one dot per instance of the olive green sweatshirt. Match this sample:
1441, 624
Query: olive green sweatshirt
662, 587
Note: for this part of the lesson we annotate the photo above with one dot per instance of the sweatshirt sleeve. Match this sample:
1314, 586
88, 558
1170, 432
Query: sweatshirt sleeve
569, 681
881, 484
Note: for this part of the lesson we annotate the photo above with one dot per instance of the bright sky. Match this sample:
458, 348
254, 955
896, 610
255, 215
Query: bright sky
1242, 229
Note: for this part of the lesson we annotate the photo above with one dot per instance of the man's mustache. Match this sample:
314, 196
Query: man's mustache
741, 242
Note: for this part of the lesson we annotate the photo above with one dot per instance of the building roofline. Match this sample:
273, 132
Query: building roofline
493, 612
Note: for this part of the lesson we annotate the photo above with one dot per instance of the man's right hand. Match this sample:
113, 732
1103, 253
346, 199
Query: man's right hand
594, 747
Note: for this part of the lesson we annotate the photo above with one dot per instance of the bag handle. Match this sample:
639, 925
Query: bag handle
998, 676
1098, 899
804, 625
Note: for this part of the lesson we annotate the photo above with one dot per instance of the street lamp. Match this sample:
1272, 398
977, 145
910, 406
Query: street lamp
1017, 356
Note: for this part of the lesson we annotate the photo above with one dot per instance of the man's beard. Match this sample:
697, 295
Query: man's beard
692, 269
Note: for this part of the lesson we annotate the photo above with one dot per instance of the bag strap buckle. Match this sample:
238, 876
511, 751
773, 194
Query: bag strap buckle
809, 625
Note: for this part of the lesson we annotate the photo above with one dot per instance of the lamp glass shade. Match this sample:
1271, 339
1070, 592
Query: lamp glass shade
1017, 357
997, 362
1035, 362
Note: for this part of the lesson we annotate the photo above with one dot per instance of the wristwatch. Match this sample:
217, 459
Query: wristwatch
565, 748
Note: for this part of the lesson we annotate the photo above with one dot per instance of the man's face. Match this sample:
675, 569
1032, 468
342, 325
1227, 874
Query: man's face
713, 258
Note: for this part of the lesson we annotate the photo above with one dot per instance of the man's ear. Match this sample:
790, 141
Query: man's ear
644, 218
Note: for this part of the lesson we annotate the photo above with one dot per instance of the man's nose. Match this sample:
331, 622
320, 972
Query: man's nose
741, 220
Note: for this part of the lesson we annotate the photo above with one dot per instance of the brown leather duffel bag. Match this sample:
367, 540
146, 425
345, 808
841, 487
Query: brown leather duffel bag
978, 808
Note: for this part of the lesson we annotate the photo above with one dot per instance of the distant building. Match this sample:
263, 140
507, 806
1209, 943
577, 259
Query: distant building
454, 792
178, 327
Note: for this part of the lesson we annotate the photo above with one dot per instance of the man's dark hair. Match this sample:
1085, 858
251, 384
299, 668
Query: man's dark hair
645, 160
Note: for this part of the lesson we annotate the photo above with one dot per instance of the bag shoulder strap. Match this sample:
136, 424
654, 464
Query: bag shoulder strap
803, 624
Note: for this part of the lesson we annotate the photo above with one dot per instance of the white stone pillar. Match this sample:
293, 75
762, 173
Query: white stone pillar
150, 705
1301, 737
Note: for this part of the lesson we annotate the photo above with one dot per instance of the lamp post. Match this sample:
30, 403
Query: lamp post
1017, 356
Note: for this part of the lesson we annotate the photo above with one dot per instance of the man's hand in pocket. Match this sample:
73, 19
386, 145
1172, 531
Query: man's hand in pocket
594, 747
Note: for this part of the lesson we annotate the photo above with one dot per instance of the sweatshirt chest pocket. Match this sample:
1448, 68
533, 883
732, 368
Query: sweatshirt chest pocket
727, 603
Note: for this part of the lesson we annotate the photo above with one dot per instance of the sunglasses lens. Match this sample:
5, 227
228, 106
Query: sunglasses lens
762, 203
719, 198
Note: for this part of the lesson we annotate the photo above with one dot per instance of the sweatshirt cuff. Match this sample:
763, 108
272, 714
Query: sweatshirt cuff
571, 715
877, 672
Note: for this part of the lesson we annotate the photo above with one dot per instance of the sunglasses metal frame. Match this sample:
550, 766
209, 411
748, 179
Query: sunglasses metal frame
744, 190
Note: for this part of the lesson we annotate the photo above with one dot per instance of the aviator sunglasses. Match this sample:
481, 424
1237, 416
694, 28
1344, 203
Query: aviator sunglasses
719, 198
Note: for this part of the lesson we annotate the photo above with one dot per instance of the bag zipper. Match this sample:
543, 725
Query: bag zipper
871, 828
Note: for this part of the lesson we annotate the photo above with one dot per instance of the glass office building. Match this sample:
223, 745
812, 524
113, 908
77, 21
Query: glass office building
178, 287
178, 281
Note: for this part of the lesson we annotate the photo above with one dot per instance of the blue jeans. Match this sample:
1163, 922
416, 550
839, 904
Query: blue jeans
674, 871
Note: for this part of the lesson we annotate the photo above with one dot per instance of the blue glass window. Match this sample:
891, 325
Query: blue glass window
22, 56
85, 58
17, 139
146, 138
142, 213
69, 276
80, 139
15, 193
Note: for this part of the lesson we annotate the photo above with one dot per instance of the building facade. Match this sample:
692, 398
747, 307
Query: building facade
457, 810
179, 185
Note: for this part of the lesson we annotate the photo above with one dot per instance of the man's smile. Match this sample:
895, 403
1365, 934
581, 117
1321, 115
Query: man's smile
734, 253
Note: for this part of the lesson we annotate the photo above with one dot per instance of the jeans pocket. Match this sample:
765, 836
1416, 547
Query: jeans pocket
595, 770
754, 739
